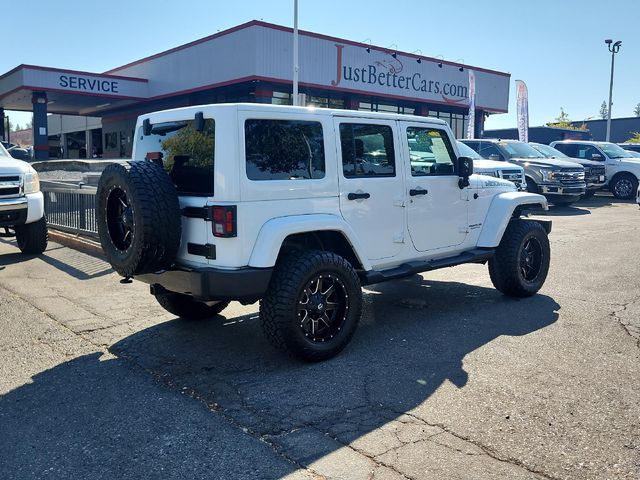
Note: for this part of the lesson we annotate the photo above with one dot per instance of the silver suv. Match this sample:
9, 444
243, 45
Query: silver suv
562, 182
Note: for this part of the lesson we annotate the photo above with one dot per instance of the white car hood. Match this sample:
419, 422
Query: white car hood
493, 164
9, 165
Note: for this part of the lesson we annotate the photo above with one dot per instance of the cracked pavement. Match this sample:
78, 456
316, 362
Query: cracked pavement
445, 378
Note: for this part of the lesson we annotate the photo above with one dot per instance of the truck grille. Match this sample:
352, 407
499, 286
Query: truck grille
593, 174
10, 186
570, 176
514, 176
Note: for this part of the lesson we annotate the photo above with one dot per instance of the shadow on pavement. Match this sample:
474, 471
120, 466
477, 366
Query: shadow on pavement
79, 265
100, 419
414, 336
88, 418
571, 211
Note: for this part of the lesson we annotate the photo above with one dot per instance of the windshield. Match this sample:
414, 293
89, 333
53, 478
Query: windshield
520, 150
614, 151
467, 151
548, 151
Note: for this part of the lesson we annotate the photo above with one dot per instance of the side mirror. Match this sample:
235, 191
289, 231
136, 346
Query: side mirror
596, 156
465, 170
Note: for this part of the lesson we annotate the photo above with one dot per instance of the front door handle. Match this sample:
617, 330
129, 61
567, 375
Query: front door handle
357, 196
418, 191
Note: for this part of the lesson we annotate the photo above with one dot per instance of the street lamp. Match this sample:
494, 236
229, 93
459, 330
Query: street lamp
615, 48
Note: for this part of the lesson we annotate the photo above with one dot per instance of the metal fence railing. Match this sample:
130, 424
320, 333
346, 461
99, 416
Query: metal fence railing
70, 207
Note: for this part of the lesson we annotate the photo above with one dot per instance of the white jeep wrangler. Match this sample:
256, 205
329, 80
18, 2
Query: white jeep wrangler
299, 208
21, 205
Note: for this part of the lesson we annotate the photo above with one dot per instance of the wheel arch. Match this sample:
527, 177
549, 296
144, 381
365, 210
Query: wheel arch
318, 231
503, 208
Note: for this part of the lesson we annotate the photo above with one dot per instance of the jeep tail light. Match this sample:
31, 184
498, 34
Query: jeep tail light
224, 221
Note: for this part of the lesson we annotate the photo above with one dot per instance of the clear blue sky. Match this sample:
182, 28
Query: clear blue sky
555, 46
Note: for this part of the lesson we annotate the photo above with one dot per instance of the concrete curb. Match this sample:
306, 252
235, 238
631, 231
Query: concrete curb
74, 165
77, 242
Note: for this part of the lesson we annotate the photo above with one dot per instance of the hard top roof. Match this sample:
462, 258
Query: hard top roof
257, 107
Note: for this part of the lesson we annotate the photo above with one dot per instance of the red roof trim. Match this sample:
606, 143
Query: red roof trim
273, 26
79, 72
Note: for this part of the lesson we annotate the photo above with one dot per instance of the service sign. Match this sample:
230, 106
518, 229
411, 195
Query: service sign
84, 83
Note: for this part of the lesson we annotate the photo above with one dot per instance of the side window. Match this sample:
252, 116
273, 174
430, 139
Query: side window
568, 149
489, 149
586, 151
367, 150
284, 150
430, 152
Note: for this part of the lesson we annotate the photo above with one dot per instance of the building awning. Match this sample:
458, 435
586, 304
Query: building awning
69, 91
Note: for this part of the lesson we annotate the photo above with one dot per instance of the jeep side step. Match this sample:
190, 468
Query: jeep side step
478, 255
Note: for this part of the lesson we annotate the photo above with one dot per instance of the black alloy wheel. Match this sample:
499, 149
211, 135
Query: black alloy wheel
120, 219
323, 307
531, 257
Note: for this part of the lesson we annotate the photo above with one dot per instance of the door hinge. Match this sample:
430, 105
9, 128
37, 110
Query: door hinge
197, 212
398, 202
399, 238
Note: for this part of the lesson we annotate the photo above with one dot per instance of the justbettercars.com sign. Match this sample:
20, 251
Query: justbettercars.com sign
391, 73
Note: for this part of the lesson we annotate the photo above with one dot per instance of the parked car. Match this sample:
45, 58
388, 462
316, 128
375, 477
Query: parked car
509, 171
21, 205
634, 147
594, 172
622, 171
561, 182
19, 153
300, 209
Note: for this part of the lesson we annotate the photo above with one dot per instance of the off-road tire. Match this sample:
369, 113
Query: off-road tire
631, 182
155, 216
186, 307
279, 313
505, 268
32, 238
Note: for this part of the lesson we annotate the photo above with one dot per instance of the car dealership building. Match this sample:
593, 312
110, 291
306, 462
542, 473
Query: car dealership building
253, 62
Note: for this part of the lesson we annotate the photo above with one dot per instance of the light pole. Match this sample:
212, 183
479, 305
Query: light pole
615, 48
296, 101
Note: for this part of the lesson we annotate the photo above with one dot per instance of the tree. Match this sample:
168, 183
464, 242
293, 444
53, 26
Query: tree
635, 138
563, 121
604, 111
636, 111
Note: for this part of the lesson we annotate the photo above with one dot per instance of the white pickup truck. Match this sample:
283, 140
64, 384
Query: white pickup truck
299, 208
21, 205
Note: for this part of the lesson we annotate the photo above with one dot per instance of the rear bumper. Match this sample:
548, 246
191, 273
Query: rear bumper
205, 284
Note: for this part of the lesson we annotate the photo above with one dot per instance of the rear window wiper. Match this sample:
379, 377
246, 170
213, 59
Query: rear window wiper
164, 128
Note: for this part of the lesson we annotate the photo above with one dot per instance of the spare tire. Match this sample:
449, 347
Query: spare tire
138, 216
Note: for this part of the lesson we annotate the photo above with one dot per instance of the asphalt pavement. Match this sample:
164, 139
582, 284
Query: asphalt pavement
445, 378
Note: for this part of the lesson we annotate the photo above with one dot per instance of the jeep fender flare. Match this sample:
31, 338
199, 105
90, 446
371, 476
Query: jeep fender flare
275, 231
501, 211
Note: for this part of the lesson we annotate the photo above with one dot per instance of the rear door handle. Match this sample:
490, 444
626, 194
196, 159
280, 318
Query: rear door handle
357, 196
418, 191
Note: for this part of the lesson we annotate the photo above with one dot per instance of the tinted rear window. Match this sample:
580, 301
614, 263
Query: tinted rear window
187, 154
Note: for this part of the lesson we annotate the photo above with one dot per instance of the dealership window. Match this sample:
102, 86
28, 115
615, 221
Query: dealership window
458, 122
284, 150
383, 107
325, 102
281, 98
367, 150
